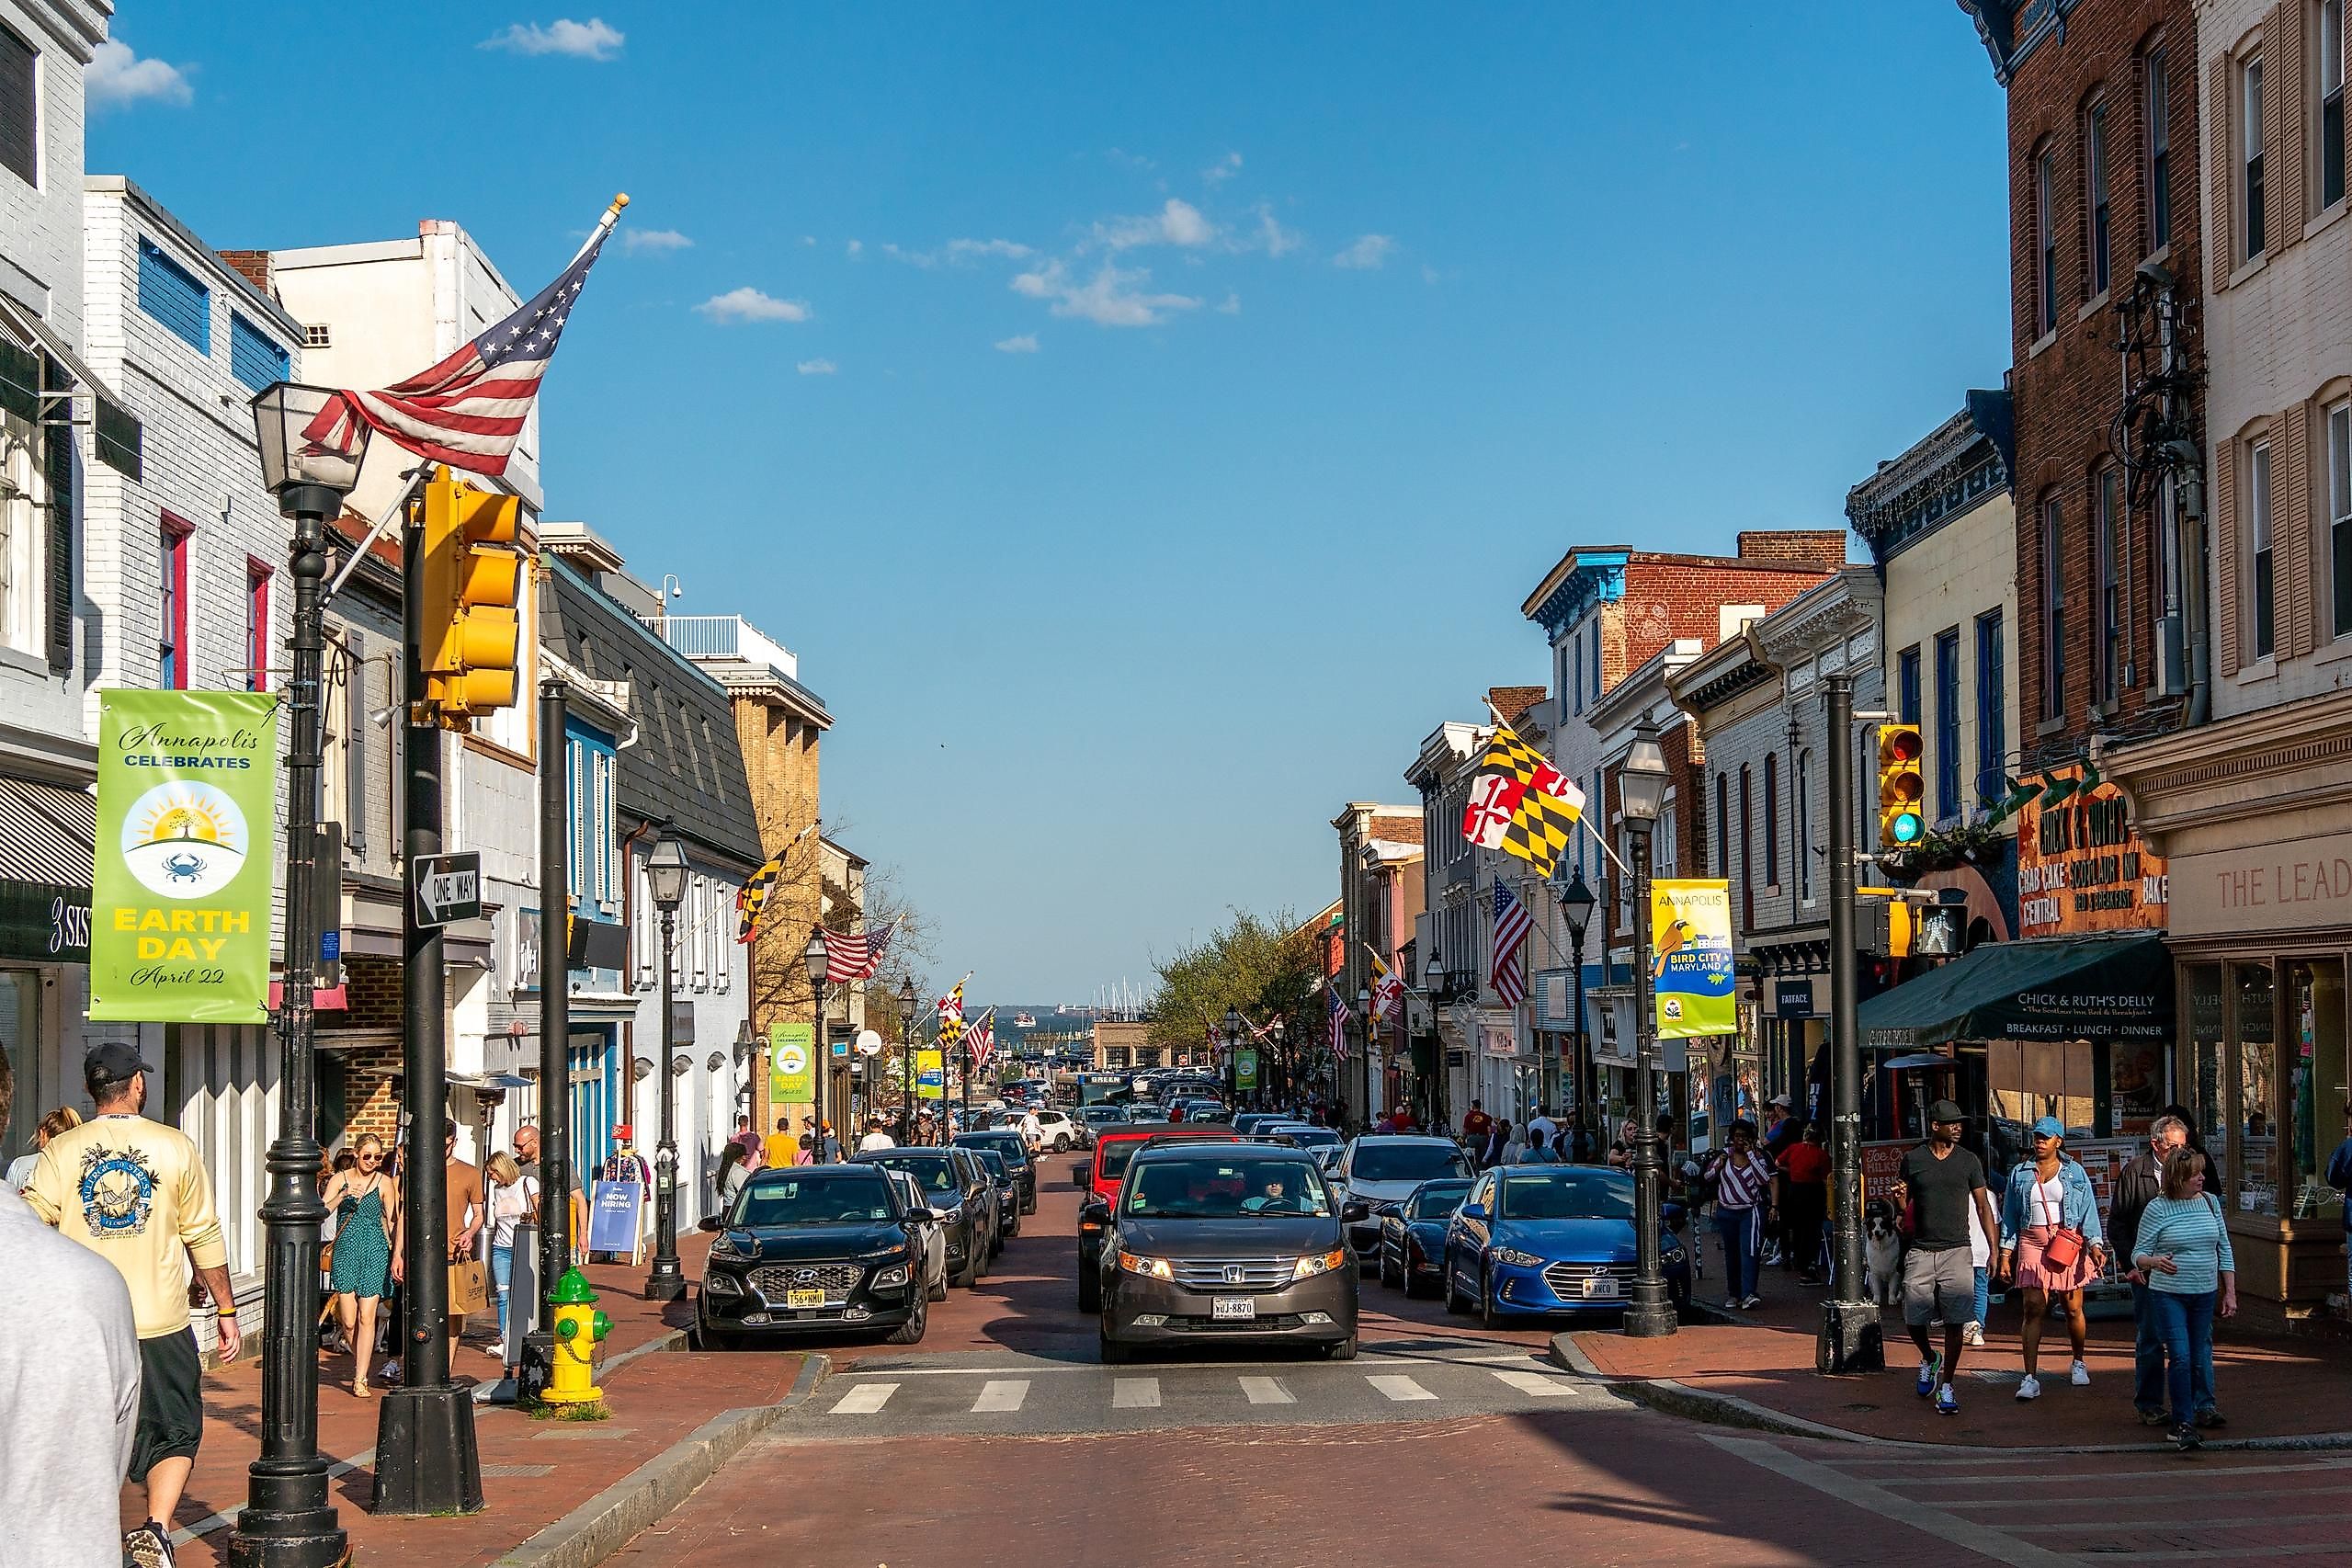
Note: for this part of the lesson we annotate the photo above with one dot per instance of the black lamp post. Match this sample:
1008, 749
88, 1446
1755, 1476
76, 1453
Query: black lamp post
1281, 1053
1433, 986
821, 1069
1577, 902
288, 1520
906, 1056
1230, 1027
1642, 796
665, 877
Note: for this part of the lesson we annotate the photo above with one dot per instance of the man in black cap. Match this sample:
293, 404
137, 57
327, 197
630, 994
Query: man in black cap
1938, 1183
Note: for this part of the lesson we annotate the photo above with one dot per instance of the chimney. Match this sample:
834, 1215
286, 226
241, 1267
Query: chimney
1817, 549
253, 265
1511, 702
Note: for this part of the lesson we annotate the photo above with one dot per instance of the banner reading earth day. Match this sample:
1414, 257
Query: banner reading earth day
186, 868
791, 1063
1690, 964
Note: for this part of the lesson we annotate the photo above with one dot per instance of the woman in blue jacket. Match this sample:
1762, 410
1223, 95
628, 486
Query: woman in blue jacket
2047, 1195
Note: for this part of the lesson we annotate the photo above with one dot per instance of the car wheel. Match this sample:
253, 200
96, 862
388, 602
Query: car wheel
1342, 1351
1388, 1275
1113, 1353
709, 1339
1090, 1292
1061, 1145
1412, 1284
911, 1331
1489, 1315
1454, 1302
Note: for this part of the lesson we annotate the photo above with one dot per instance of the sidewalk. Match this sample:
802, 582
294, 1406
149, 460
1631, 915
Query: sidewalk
1757, 1368
534, 1473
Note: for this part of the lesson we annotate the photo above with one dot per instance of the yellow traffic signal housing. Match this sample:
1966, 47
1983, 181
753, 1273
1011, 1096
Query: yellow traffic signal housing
1900, 792
470, 587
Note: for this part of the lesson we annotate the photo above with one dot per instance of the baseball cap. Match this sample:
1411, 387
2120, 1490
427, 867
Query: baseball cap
1779, 1100
2049, 1126
112, 1062
1945, 1110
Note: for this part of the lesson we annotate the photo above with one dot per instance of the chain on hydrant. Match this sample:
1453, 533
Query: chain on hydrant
579, 1329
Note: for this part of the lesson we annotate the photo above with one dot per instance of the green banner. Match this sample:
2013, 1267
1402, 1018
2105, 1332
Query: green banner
791, 1063
1245, 1069
1690, 963
188, 812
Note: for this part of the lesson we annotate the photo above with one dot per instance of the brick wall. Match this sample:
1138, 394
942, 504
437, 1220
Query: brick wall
1815, 550
1512, 701
1665, 599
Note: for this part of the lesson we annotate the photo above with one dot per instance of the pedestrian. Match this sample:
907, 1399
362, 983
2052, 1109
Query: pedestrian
2339, 1176
2051, 1244
828, 1144
514, 1197
366, 1206
2183, 1249
733, 1174
526, 1147
2197, 1141
875, 1138
1475, 1127
65, 1118
461, 1202
1979, 1258
2138, 1184
782, 1145
806, 1155
1803, 1201
1782, 1128
1538, 1151
134, 1191
69, 1384
1544, 1123
1743, 1180
1937, 1184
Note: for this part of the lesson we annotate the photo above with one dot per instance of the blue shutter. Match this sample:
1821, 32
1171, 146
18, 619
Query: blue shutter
170, 293
253, 359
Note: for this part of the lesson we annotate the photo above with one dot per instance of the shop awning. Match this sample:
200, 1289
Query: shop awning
46, 832
116, 436
2099, 988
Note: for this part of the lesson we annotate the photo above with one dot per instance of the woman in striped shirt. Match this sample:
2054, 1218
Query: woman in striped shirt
1741, 1177
2183, 1248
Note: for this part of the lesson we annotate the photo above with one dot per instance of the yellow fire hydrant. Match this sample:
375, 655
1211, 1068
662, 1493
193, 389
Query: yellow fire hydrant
579, 1328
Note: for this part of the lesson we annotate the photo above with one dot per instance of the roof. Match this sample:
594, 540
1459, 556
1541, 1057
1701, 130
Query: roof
686, 768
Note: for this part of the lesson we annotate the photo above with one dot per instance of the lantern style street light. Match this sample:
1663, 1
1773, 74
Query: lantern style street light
1642, 782
821, 1070
906, 1005
666, 878
1577, 902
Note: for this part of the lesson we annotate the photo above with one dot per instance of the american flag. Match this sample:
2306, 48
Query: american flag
1509, 978
980, 1039
1339, 1016
468, 411
855, 955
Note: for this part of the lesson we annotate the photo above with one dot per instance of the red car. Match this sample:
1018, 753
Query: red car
1113, 1148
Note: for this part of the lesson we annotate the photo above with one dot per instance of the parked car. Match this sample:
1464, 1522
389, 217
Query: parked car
1113, 1151
1223, 1241
1093, 1118
1306, 1135
1412, 1235
958, 1190
815, 1247
1008, 1188
1249, 1121
1209, 1110
1381, 1170
1056, 1131
1016, 1152
1549, 1239
935, 1236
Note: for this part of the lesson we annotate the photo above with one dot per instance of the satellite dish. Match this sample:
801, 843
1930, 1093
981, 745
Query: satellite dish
869, 1043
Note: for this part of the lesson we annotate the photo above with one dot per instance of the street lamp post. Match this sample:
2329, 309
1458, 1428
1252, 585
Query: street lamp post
1281, 1053
906, 1056
1577, 902
1433, 986
1231, 1027
665, 877
1371, 1037
288, 1520
821, 1053
1641, 794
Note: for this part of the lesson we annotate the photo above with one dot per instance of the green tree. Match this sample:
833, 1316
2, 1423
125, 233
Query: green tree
1263, 965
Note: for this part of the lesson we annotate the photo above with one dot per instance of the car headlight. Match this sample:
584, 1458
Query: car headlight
951, 1216
720, 1285
1317, 1262
891, 1278
726, 1246
1515, 1258
1149, 1268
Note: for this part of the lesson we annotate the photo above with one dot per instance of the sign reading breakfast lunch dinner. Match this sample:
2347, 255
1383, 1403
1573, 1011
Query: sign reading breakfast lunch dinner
181, 891
2082, 867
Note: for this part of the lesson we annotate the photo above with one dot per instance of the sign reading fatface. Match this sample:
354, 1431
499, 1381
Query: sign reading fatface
2081, 866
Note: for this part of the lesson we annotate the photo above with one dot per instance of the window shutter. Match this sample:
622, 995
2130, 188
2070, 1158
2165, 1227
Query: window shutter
58, 461
170, 293
2295, 519
2230, 577
253, 358
2221, 238
357, 703
19, 143
2282, 116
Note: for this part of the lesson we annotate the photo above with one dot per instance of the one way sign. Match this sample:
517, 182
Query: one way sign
446, 888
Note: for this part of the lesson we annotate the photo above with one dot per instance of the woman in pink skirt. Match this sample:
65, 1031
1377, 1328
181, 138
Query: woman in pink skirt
2050, 1200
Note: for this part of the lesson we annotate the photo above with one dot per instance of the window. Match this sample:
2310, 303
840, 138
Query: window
1906, 686
172, 650
257, 626
2106, 642
317, 335
1747, 861
2045, 243
2331, 103
1723, 825
1577, 688
253, 358
2159, 122
2054, 615
170, 293
1991, 708
2339, 511
1771, 819
2250, 141
19, 108
2095, 180
2258, 530
1801, 851
24, 555
358, 701
1947, 726
1593, 664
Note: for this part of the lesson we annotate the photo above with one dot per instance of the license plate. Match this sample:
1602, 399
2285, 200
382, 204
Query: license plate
1224, 1308
1595, 1290
803, 1300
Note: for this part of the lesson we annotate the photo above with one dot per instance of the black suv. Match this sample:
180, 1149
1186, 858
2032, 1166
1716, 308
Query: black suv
1008, 1144
958, 1191
814, 1247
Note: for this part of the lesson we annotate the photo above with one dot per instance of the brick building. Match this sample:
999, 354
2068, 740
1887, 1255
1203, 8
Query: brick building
1377, 846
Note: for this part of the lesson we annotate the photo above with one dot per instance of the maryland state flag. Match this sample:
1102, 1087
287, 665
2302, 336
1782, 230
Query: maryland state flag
951, 1008
751, 902
1521, 803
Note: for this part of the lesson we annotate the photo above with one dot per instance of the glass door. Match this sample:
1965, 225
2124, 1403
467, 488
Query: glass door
2312, 1011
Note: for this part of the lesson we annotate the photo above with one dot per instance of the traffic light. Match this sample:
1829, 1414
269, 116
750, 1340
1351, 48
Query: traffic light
470, 582
1900, 789
1889, 927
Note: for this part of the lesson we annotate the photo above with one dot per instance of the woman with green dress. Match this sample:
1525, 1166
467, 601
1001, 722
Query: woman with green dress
365, 1205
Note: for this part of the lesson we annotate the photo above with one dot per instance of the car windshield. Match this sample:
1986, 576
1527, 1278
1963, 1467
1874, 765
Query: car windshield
1573, 1194
1101, 1115
1301, 1133
995, 1161
829, 1200
1204, 1189
1006, 1147
931, 1174
1440, 1199
1407, 1161
1117, 1153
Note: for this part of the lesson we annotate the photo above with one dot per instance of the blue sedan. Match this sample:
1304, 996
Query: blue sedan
1549, 1239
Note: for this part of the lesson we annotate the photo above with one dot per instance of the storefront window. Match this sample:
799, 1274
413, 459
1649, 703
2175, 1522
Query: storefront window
2031, 1079
2314, 1017
2208, 1069
20, 994
2257, 1087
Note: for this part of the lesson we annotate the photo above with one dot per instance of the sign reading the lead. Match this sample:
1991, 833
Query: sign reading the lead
446, 888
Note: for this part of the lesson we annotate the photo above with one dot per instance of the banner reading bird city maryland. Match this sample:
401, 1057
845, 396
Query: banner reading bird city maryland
1690, 964
1521, 803
186, 856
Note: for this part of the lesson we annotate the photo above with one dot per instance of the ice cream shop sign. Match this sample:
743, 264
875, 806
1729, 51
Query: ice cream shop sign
2081, 865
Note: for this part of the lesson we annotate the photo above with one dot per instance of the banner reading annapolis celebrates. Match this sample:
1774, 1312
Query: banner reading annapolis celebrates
188, 812
1690, 964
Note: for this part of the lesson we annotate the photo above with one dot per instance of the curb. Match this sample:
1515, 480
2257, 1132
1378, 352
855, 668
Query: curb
607, 1522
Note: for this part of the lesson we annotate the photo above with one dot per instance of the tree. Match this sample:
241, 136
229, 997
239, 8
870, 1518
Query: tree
1264, 966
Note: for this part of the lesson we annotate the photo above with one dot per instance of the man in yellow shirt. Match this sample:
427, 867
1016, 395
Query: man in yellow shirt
134, 1192
782, 1147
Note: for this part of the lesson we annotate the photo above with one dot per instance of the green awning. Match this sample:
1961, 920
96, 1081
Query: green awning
2106, 987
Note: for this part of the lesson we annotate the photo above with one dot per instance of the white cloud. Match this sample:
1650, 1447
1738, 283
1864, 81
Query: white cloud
592, 40
1177, 224
1025, 343
1232, 306
1369, 251
116, 78
856, 246
1223, 170
973, 250
750, 305
1111, 298
816, 367
635, 240
1278, 240
912, 257
808, 239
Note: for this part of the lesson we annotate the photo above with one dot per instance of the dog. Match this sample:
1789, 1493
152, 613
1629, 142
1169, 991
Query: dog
1882, 1252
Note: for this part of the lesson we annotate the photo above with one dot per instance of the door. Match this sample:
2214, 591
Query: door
596, 1099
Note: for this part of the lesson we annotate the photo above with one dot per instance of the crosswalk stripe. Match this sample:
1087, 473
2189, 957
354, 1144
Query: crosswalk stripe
865, 1399
1537, 1383
1007, 1394
1398, 1386
1267, 1391
1135, 1393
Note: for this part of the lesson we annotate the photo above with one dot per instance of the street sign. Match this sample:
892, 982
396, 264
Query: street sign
868, 1043
445, 889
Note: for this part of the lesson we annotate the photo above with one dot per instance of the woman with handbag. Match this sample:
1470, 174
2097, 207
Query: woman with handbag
2051, 1244
2183, 1249
514, 1199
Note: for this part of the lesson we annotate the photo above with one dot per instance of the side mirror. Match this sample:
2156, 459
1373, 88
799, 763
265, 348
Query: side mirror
939, 1215
1352, 1213
1474, 1210
1093, 1212
712, 1222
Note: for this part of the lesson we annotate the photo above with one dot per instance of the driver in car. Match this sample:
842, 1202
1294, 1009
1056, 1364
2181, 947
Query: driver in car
1272, 1199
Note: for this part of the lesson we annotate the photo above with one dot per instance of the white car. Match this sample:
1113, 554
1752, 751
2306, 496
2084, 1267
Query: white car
934, 1239
1055, 1131
1381, 1171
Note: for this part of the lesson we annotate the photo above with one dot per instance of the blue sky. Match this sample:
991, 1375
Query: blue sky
1285, 348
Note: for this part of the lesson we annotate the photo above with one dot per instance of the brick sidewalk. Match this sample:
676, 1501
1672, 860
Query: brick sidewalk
2270, 1388
533, 1473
